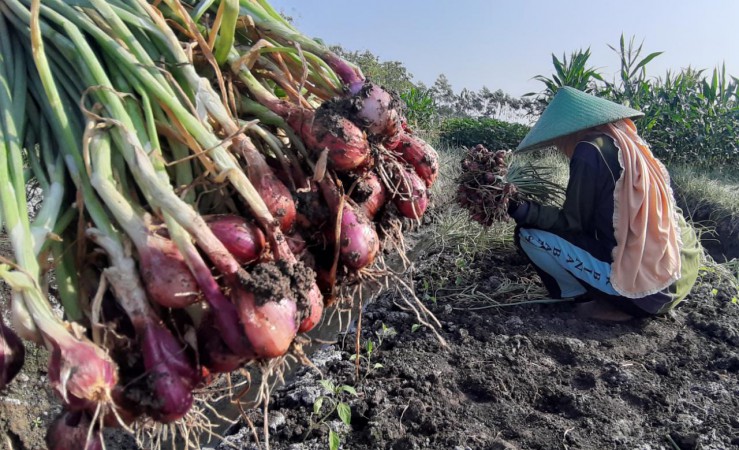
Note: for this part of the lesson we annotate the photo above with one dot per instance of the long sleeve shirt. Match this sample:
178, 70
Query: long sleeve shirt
586, 217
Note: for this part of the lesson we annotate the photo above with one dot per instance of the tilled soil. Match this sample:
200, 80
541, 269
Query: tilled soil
526, 377
514, 377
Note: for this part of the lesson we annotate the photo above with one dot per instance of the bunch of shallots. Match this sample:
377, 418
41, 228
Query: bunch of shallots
490, 180
209, 177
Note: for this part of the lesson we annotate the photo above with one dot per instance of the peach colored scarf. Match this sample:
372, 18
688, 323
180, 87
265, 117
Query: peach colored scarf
646, 258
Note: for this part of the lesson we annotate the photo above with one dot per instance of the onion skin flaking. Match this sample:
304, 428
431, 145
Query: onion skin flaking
81, 372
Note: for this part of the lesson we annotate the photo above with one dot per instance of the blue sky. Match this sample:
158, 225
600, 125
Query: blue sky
503, 44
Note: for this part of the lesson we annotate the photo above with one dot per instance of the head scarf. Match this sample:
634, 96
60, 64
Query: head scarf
646, 258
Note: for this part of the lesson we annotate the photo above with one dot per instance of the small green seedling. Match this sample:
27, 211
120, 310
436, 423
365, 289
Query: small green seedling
326, 405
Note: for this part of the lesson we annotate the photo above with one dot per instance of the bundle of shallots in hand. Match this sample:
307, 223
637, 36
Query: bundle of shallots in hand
491, 180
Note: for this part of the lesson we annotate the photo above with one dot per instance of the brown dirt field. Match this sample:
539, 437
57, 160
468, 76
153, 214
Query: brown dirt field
516, 377
529, 377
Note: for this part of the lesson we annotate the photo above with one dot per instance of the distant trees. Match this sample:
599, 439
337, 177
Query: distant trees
689, 117
389, 74
428, 106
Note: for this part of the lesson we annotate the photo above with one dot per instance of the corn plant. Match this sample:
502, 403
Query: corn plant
572, 72
689, 117
633, 86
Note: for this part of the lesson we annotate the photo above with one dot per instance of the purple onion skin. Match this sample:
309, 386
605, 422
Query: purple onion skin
70, 430
171, 375
242, 238
81, 373
358, 241
270, 327
376, 114
12, 355
166, 276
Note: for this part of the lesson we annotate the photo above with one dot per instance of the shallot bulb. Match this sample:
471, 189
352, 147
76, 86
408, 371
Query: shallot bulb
270, 327
315, 305
274, 193
358, 241
81, 372
346, 144
242, 238
171, 376
71, 431
12, 355
376, 195
214, 353
165, 274
412, 197
375, 110
267, 309
419, 154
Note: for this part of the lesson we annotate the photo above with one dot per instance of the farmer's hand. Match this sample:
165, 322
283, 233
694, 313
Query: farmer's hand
517, 210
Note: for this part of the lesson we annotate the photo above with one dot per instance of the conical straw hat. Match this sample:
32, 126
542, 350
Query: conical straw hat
570, 111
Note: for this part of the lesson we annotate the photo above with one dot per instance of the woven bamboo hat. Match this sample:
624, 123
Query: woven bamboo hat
571, 111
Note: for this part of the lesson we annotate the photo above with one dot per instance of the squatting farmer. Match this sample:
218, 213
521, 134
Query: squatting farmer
619, 245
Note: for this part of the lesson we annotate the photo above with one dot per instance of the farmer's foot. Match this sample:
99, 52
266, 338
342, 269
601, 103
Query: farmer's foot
601, 310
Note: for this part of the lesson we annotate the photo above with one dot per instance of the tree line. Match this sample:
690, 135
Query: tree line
431, 105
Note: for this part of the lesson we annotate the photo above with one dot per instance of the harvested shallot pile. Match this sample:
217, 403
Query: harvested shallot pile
490, 180
211, 179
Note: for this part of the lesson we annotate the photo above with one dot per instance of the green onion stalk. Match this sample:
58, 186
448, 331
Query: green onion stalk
292, 59
269, 21
133, 151
139, 162
80, 371
222, 309
167, 366
171, 376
